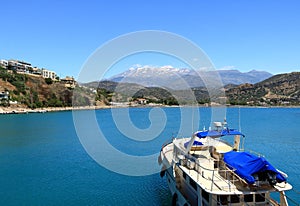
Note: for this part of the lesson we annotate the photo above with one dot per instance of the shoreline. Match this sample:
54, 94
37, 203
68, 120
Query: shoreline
23, 110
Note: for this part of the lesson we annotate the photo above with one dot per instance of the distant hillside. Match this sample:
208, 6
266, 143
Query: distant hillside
36, 92
180, 79
281, 89
126, 92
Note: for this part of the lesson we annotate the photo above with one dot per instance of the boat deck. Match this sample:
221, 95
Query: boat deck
214, 178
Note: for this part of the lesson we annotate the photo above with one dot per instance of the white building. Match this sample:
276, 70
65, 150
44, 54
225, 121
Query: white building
4, 63
4, 95
48, 74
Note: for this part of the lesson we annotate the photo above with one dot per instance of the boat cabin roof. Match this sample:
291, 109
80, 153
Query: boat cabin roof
218, 133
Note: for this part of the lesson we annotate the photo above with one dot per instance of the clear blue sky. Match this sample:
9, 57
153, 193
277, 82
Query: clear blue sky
60, 35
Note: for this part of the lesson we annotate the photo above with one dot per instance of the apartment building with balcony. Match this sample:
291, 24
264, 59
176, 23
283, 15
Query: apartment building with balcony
19, 66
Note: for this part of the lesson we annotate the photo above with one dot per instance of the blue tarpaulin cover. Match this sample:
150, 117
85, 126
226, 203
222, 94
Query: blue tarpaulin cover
246, 164
195, 143
215, 133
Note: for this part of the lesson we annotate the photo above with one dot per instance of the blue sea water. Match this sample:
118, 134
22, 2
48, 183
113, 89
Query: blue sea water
42, 161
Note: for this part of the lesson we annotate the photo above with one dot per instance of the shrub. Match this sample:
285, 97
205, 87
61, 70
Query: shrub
48, 80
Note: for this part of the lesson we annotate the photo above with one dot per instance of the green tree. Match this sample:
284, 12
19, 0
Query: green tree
48, 80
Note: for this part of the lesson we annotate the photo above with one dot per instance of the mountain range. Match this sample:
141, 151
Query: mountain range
175, 78
278, 90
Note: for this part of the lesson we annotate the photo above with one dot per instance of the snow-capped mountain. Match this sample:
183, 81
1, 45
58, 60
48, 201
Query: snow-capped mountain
182, 78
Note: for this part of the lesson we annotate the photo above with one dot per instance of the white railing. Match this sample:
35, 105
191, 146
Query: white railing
209, 173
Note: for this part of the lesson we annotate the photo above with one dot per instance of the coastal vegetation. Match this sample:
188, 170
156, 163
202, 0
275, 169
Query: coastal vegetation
34, 92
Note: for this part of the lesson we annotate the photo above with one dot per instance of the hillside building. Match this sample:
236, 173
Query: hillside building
4, 95
69, 82
19, 66
27, 68
141, 101
3, 63
36, 71
48, 74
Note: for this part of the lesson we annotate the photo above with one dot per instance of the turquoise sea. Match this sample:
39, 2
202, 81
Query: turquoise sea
42, 161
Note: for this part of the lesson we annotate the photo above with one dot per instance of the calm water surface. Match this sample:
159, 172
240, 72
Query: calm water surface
43, 163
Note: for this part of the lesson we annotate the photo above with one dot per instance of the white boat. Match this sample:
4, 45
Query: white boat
207, 170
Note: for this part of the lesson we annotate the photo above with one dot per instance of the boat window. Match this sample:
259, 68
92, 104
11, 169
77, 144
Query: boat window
223, 200
184, 175
248, 198
260, 197
205, 195
193, 184
234, 199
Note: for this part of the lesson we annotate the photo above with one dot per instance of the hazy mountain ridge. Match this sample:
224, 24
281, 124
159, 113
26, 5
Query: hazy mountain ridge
185, 78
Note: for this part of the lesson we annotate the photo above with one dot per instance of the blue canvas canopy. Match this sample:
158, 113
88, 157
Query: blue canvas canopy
246, 164
215, 133
194, 143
